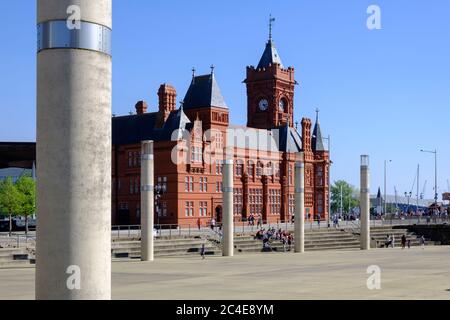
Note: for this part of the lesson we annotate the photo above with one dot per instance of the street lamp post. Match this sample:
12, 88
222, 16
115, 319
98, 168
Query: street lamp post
160, 189
408, 196
385, 191
435, 174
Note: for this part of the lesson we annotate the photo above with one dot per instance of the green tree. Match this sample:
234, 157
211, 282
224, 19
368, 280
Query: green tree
10, 199
27, 187
350, 196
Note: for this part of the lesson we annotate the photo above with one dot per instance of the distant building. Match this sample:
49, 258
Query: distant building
403, 203
14, 173
264, 173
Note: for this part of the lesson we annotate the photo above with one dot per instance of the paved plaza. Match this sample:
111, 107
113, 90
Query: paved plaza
405, 274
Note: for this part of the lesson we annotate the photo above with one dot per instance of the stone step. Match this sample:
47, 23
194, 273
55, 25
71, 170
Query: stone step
320, 248
16, 264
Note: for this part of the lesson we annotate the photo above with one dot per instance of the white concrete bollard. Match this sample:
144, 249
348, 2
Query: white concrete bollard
299, 220
73, 254
228, 223
147, 201
365, 203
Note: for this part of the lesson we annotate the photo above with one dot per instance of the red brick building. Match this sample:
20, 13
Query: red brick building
189, 149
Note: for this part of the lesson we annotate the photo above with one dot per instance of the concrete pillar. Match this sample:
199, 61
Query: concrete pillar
228, 228
147, 201
365, 203
73, 254
299, 220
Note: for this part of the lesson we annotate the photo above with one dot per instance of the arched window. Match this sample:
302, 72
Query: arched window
239, 168
259, 169
250, 168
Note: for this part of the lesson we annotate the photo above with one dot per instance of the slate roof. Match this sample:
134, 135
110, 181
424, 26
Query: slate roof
290, 139
285, 138
270, 56
317, 139
136, 128
204, 92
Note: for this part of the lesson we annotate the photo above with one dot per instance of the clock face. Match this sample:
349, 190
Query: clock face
282, 105
263, 105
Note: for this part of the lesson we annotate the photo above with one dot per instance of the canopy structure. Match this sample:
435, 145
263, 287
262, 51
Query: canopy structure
17, 155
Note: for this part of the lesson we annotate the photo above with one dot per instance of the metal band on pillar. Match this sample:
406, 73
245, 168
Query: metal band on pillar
55, 34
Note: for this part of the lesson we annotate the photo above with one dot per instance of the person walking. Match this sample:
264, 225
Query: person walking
290, 238
393, 241
203, 251
213, 224
387, 244
318, 220
422, 242
409, 243
260, 222
403, 242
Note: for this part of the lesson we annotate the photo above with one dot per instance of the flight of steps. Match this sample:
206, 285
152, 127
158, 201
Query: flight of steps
122, 248
316, 240
379, 234
14, 258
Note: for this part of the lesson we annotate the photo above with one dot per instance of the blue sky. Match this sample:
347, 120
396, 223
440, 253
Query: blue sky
385, 92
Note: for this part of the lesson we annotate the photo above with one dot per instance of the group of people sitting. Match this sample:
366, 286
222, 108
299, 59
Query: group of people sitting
267, 236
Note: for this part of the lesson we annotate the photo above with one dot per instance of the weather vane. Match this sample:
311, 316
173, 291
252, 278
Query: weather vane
271, 21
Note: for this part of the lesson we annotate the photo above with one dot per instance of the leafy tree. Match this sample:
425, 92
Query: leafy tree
27, 187
10, 199
350, 196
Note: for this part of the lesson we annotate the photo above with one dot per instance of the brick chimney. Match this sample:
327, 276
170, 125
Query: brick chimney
306, 134
167, 100
141, 107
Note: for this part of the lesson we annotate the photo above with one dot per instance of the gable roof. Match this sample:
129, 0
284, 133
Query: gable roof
136, 128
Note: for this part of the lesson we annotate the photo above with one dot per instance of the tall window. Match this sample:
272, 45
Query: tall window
135, 159
291, 176
256, 201
219, 167
320, 203
259, 169
319, 176
239, 168
189, 184
219, 140
275, 201
196, 154
291, 204
164, 208
136, 185
203, 208
162, 181
238, 201
189, 209
218, 186
130, 159
203, 184
250, 168
131, 185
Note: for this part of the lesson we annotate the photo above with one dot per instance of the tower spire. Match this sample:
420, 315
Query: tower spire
317, 115
271, 22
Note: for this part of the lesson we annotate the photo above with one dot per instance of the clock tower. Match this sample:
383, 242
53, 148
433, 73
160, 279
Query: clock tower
270, 91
